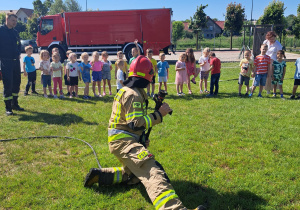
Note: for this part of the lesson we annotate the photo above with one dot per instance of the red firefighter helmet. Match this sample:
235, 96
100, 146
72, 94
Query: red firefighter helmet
141, 67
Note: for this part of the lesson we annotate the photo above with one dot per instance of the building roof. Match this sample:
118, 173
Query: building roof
220, 24
7, 11
186, 26
28, 12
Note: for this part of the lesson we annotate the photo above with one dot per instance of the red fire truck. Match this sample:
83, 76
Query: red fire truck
109, 31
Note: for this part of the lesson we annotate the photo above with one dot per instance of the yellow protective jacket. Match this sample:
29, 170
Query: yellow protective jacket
129, 116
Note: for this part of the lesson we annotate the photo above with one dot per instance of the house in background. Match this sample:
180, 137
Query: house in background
214, 28
23, 14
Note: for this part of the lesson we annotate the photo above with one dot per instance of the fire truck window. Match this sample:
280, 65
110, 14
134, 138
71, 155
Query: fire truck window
47, 26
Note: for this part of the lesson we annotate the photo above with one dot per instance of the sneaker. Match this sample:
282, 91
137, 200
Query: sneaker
240, 95
25, 93
45, 95
250, 95
51, 95
73, 93
95, 95
274, 95
34, 92
206, 91
201, 91
85, 97
110, 93
281, 96
100, 95
260, 96
193, 81
55, 96
148, 94
68, 94
292, 97
61, 96
298, 97
246, 94
152, 95
104, 94
89, 97
190, 92
182, 94
179, 94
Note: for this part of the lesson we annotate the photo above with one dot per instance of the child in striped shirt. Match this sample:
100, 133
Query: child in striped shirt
261, 69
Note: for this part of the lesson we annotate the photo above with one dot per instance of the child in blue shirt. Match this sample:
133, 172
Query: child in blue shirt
85, 69
297, 79
163, 71
29, 70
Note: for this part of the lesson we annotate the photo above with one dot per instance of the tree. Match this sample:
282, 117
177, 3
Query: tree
39, 7
198, 21
20, 27
289, 21
273, 14
57, 7
234, 19
72, 6
177, 30
32, 25
2, 18
296, 24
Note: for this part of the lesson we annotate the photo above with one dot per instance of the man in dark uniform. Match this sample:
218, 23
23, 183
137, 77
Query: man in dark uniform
10, 50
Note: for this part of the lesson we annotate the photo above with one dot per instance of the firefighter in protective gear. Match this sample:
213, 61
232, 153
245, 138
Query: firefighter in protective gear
10, 50
129, 120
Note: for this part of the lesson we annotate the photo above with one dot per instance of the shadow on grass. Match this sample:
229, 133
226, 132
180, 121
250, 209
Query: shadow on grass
53, 119
193, 195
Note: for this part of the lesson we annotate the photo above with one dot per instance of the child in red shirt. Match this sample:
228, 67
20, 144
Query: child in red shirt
215, 68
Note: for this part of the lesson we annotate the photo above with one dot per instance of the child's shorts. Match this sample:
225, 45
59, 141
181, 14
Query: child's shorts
260, 79
277, 81
297, 82
73, 81
67, 82
204, 74
46, 80
243, 79
106, 74
153, 80
96, 76
162, 79
86, 78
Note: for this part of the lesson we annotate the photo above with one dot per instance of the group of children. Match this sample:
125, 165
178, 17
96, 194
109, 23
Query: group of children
53, 69
186, 72
261, 67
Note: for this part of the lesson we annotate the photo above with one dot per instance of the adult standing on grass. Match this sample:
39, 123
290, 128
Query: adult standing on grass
10, 51
127, 125
273, 46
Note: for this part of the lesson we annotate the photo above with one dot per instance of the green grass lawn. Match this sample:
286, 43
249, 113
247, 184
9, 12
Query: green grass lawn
224, 152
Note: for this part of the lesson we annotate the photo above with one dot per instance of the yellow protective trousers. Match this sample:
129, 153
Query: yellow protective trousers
137, 160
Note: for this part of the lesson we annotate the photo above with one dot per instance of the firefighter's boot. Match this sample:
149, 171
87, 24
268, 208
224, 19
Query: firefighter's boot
200, 208
15, 104
106, 176
8, 108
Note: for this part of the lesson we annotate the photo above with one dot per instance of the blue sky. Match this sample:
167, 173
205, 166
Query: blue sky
181, 9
